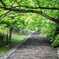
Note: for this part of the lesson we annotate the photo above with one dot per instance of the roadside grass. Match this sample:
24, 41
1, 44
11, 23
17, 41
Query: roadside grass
16, 38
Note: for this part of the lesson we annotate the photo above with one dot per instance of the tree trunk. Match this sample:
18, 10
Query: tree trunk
10, 33
57, 31
7, 39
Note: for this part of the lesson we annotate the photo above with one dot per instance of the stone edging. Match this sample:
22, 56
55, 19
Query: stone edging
58, 51
14, 48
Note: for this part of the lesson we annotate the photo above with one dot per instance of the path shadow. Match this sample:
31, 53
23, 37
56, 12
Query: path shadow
36, 41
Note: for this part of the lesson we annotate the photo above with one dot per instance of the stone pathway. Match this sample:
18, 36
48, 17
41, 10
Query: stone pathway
36, 47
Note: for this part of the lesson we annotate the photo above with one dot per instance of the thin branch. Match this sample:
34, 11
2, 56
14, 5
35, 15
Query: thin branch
13, 3
38, 2
3, 3
3, 15
18, 3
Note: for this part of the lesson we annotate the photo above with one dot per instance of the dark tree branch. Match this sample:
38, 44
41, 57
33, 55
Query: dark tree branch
33, 11
3, 3
13, 3
18, 3
48, 8
38, 2
3, 15
53, 8
49, 17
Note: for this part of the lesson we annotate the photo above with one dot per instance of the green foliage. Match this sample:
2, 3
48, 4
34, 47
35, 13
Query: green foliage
55, 41
3, 29
48, 28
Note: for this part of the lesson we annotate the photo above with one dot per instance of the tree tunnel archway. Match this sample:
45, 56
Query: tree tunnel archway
27, 9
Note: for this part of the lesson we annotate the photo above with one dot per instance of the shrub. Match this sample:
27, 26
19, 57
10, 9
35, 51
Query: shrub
55, 42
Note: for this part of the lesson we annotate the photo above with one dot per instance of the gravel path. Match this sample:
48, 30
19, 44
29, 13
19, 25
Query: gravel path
36, 47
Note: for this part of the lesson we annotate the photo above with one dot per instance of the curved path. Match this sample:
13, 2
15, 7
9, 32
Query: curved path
36, 47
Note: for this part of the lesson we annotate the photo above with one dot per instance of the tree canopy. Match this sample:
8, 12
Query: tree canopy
48, 9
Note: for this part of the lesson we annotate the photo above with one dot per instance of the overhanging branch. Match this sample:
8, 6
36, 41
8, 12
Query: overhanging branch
33, 11
48, 8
